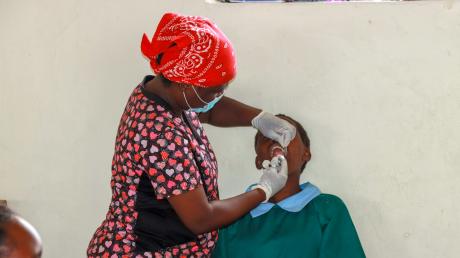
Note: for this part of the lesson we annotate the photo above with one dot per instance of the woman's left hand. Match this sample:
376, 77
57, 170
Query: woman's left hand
274, 128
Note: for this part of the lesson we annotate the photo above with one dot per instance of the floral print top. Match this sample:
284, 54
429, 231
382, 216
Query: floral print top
168, 155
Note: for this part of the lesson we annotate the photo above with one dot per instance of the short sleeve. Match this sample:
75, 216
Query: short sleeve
170, 164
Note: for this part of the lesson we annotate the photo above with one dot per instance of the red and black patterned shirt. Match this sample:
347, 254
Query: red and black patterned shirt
158, 154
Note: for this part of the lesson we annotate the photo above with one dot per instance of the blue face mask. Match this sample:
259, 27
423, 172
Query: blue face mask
208, 105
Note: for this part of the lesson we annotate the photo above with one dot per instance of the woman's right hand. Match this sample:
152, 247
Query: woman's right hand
274, 177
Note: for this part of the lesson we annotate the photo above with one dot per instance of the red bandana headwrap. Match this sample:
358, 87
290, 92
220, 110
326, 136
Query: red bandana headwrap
191, 50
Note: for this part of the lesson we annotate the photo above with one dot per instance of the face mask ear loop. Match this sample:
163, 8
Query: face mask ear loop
186, 101
199, 96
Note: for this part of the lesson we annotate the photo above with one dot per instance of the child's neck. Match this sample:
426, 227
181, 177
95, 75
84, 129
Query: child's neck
292, 187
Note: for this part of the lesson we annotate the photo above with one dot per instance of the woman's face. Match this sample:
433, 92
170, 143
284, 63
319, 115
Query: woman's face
297, 152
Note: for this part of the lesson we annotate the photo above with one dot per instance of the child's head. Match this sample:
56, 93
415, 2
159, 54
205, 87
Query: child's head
298, 150
17, 237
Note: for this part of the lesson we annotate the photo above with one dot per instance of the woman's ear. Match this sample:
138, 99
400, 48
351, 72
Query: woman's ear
181, 86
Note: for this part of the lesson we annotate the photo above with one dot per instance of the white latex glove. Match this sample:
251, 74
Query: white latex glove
273, 177
274, 128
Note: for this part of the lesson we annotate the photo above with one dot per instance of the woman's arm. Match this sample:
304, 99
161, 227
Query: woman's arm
200, 216
228, 113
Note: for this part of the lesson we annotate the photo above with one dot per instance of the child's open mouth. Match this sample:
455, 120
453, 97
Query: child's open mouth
276, 150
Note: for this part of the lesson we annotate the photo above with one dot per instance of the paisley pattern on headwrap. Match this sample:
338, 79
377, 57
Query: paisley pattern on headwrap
190, 50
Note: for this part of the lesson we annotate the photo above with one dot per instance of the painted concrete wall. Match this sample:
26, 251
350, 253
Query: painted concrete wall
375, 85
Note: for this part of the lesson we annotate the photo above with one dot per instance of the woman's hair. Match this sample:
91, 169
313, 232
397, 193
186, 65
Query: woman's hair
300, 130
165, 81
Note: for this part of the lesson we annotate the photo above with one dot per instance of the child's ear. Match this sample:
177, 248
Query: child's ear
306, 155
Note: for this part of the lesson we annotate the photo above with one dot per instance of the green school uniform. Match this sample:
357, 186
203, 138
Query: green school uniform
307, 224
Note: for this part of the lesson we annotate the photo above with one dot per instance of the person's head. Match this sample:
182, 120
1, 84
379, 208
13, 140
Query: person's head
298, 150
193, 56
18, 238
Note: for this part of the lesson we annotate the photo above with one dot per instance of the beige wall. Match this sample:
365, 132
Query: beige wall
375, 84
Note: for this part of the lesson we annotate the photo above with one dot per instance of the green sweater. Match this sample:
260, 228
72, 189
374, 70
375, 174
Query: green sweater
322, 229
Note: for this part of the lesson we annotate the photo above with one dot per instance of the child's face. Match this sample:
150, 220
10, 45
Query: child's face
297, 152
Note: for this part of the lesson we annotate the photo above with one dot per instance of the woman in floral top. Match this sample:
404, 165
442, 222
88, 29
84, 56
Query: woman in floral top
165, 199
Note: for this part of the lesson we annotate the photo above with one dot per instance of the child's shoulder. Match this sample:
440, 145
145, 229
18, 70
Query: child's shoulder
329, 204
328, 198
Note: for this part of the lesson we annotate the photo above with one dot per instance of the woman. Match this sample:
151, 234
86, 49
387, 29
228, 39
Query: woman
165, 200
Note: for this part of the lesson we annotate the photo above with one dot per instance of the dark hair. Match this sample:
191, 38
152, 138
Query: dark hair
165, 81
300, 130
6, 216
158, 59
